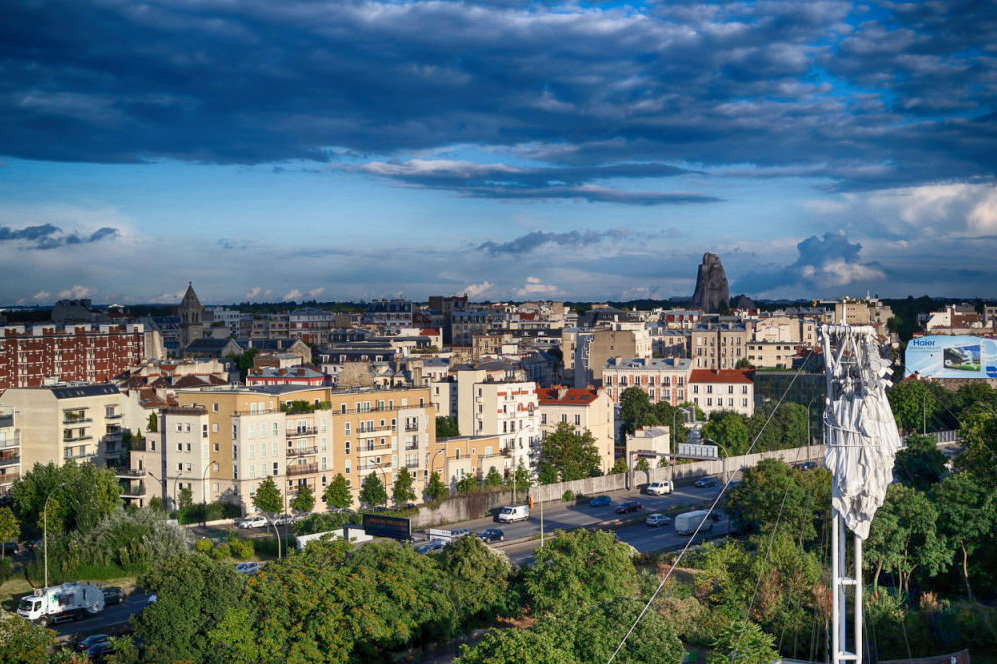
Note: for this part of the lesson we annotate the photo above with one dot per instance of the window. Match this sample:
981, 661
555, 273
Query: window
179, 428
214, 407
187, 466
578, 420
342, 408
235, 451
347, 431
564, 417
276, 467
235, 431
276, 429
323, 445
324, 464
252, 451
273, 447
324, 480
347, 447
252, 408
214, 428
347, 468
216, 447
179, 447
188, 447
543, 418
252, 471
204, 430
252, 431
179, 467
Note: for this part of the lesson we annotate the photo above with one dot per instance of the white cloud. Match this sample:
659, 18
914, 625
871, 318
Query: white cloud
293, 294
316, 292
76, 293
535, 286
42, 296
257, 292
476, 291
840, 273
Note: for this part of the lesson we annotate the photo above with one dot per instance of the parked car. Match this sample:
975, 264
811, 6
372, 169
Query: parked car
285, 520
600, 501
85, 644
459, 532
97, 651
113, 595
491, 535
9, 548
513, 513
706, 482
248, 567
807, 465
629, 506
659, 488
258, 521
430, 547
655, 520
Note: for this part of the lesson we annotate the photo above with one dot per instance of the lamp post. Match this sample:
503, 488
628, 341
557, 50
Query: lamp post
384, 475
723, 459
432, 460
45, 527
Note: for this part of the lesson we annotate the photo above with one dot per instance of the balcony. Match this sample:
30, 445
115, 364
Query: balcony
9, 477
412, 427
301, 451
74, 439
412, 464
375, 431
372, 468
411, 446
76, 420
79, 455
258, 412
307, 431
129, 472
133, 491
6, 421
9, 458
302, 469
11, 441
113, 416
373, 449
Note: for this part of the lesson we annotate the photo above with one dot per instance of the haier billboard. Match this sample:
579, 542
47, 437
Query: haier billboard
952, 357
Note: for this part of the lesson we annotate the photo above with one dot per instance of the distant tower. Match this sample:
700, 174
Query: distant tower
190, 312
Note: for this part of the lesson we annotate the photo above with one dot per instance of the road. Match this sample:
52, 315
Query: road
115, 614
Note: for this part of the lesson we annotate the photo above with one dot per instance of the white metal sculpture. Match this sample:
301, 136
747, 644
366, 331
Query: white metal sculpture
861, 444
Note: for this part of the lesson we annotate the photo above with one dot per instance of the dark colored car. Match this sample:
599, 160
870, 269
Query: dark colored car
113, 595
84, 645
97, 651
435, 545
629, 506
9, 548
705, 482
807, 465
600, 501
491, 535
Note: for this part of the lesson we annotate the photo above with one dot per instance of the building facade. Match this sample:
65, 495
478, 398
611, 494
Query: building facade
10, 449
663, 379
722, 389
585, 410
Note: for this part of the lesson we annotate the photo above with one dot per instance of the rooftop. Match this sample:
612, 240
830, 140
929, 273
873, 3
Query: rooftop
720, 376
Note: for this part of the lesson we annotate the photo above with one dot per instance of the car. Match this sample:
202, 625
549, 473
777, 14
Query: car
258, 521
629, 506
600, 501
513, 513
284, 520
113, 595
655, 520
97, 651
659, 488
430, 547
85, 644
459, 532
9, 548
706, 482
248, 567
491, 535
807, 465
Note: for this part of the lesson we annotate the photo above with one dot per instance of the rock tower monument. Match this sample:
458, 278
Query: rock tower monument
712, 291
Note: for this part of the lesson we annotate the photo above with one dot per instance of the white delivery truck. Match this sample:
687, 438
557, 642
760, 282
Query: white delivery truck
70, 601
513, 513
686, 524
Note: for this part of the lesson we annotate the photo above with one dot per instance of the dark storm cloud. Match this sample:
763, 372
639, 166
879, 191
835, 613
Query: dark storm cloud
48, 236
506, 182
822, 263
902, 87
531, 241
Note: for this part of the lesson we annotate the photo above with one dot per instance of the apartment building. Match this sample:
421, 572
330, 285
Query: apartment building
664, 379
722, 389
311, 325
509, 409
784, 329
588, 409
594, 348
58, 423
389, 314
469, 456
772, 354
34, 355
10, 449
719, 346
222, 443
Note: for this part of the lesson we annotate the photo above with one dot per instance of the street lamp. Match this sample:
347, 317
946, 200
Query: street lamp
45, 527
384, 475
723, 458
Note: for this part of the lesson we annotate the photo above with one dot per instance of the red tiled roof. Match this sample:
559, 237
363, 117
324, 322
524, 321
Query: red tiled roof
527, 316
719, 376
571, 397
429, 332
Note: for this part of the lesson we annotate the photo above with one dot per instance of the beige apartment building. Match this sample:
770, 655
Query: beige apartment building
10, 449
222, 443
594, 348
772, 354
722, 389
664, 379
783, 329
58, 423
585, 410
468, 456
718, 347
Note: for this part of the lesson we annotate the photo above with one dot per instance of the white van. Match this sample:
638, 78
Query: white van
659, 488
513, 513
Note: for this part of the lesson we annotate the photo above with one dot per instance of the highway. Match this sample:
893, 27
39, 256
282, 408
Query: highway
112, 615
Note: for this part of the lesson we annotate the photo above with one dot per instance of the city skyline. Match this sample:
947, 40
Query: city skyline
588, 151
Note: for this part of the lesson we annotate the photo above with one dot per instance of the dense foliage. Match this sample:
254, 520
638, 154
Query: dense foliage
567, 455
81, 495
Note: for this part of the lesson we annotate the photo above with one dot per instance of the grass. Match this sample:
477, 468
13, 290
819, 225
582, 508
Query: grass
17, 586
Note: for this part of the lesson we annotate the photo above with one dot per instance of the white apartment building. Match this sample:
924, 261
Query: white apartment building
664, 379
508, 409
722, 389
585, 410
10, 449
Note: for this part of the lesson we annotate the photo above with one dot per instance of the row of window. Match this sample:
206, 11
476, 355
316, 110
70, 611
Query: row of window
719, 402
708, 389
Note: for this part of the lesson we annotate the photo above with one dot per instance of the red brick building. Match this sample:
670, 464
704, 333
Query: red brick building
70, 352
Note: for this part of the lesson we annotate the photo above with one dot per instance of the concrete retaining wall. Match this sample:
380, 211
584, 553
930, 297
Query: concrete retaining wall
462, 508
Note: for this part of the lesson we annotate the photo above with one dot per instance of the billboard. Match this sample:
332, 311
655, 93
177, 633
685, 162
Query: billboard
397, 527
952, 357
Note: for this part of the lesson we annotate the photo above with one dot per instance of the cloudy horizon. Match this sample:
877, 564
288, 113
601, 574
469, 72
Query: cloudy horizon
506, 149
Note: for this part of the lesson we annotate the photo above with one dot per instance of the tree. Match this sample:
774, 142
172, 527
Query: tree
537, 646
268, 498
728, 428
9, 528
338, 493
636, 409
479, 581
493, 480
787, 427
186, 499
921, 463
436, 489
967, 513
979, 453
619, 467
403, 491
88, 494
194, 593
468, 485
520, 479
913, 404
674, 418
446, 427
153, 423
744, 642
744, 363
372, 491
572, 455
304, 500
773, 492
24, 642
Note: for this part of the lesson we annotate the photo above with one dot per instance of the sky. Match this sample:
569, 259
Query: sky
301, 150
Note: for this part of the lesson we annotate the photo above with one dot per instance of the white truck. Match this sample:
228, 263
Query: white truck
70, 601
659, 488
513, 513
686, 524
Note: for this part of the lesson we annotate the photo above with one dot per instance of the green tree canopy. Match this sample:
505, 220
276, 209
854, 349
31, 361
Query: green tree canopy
744, 642
921, 463
268, 498
88, 495
436, 489
493, 479
338, 493
480, 581
787, 427
185, 499
304, 500
573, 456
403, 490
446, 427
979, 435
967, 511
913, 403
730, 429
372, 491
636, 410
9, 527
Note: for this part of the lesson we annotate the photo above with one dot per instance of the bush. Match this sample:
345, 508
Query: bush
5, 569
204, 545
241, 548
568, 496
266, 547
221, 552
